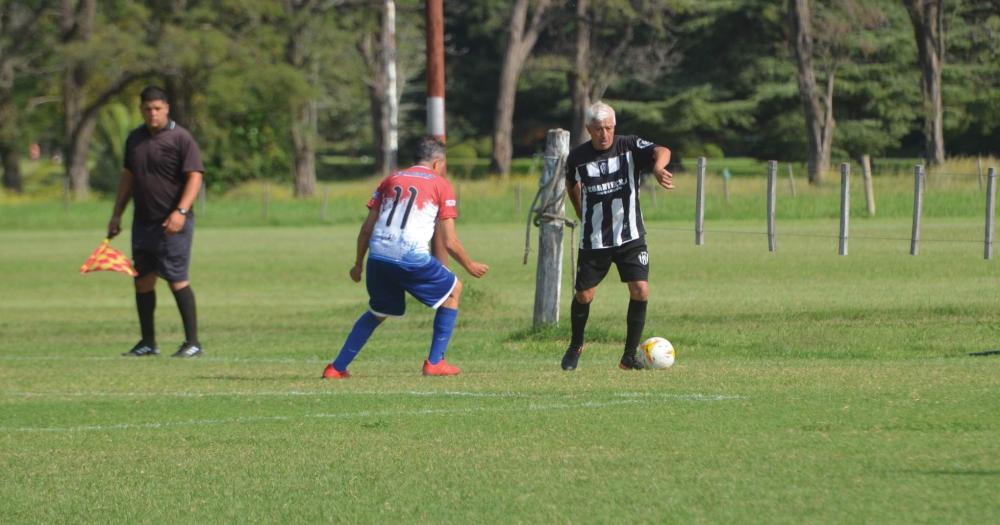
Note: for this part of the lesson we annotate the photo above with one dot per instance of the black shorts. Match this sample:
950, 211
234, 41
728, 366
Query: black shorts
155, 251
632, 260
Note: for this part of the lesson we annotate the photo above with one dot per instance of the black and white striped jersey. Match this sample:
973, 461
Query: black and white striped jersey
609, 190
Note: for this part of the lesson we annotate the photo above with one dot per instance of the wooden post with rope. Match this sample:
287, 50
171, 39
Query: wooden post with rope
549, 215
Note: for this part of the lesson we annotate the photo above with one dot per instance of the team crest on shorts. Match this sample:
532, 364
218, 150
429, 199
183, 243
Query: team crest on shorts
643, 258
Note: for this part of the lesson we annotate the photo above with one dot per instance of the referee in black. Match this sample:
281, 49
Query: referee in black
602, 177
162, 175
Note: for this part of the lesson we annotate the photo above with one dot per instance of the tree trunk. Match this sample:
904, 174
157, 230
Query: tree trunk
818, 116
304, 112
10, 158
377, 99
75, 159
520, 42
76, 26
579, 77
304, 142
926, 18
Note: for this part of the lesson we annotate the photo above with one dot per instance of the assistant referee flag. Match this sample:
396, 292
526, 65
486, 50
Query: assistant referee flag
106, 258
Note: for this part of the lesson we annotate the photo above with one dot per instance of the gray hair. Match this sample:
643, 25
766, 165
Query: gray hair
429, 149
599, 111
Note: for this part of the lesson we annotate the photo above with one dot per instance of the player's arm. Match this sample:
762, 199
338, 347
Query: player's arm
661, 158
449, 237
438, 249
574, 197
365, 235
175, 221
121, 202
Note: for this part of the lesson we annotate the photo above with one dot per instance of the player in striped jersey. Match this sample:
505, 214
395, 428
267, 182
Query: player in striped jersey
602, 177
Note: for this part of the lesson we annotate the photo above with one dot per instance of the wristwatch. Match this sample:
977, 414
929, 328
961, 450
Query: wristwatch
182, 211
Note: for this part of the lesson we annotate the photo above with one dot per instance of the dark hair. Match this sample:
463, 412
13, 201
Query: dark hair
151, 93
430, 148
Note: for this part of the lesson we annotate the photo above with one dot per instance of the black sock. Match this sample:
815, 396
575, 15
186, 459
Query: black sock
635, 320
185, 303
145, 304
578, 314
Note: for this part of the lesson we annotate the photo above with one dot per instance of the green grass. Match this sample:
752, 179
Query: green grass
808, 387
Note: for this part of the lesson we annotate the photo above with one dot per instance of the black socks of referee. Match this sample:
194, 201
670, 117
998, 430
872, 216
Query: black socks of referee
635, 321
185, 303
145, 304
578, 314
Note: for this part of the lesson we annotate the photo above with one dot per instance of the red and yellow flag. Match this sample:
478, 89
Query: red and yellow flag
106, 258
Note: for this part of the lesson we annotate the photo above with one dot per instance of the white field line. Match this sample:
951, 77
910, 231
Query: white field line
381, 393
337, 415
127, 359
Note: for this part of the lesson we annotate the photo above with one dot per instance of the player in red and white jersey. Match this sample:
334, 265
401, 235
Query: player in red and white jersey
410, 203
405, 212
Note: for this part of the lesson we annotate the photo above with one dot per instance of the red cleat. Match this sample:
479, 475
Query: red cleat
442, 368
332, 373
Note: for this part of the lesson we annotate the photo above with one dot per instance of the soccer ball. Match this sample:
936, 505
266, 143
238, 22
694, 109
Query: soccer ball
656, 353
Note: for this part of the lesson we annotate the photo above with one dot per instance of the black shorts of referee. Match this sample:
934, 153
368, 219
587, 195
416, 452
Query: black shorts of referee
153, 251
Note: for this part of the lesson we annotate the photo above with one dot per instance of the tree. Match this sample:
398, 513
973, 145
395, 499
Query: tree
631, 39
817, 106
926, 16
21, 52
521, 39
89, 80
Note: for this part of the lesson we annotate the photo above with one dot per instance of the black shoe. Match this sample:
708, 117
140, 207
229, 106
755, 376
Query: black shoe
630, 361
571, 358
141, 349
188, 350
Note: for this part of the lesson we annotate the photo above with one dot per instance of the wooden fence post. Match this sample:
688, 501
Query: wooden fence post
991, 190
326, 202
772, 175
791, 180
918, 204
845, 205
866, 172
979, 171
552, 207
202, 197
699, 205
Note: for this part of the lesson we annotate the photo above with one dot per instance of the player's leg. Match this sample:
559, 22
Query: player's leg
444, 325
386, 298
436, 286
144, 239
592, 266
174, 264
633, 268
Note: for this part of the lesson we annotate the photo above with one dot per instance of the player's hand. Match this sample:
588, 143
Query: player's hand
356, 273
174, 223
477, 270
665, 178
114, 226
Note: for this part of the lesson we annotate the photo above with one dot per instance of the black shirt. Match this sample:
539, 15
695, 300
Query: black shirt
609, 190
159, 164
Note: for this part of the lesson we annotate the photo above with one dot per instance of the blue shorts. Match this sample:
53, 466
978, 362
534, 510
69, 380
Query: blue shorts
430, 283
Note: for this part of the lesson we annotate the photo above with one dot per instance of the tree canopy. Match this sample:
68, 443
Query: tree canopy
263, 83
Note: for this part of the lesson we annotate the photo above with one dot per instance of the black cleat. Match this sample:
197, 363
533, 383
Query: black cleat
630, 361
141, 349
188, 350
571, 358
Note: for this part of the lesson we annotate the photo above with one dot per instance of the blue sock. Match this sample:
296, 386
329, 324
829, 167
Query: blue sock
444, 325
359, 335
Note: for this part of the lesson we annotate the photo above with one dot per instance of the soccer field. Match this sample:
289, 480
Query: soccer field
808, 387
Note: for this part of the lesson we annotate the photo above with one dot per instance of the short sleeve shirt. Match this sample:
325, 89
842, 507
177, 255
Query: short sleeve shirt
609, 190
159, 164
410, 204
